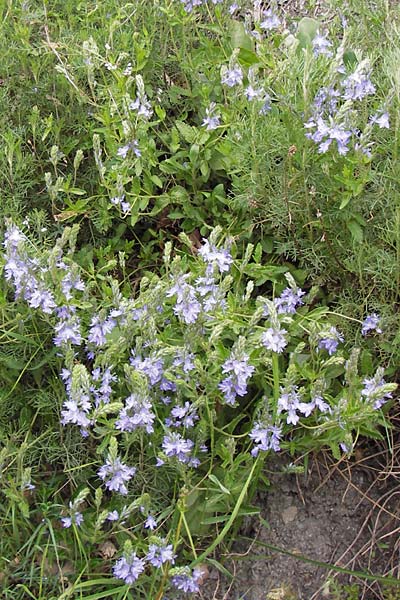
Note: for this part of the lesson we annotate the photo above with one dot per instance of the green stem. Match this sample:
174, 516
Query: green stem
276, 375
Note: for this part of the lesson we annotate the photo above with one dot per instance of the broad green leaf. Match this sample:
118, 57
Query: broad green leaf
306, 31
239, 37
248, 58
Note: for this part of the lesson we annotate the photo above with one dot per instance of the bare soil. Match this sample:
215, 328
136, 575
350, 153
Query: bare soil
344, 513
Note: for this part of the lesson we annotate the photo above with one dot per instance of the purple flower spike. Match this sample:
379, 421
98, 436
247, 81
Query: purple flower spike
115, 474
274, 339
371, 323
329, 340
129, 568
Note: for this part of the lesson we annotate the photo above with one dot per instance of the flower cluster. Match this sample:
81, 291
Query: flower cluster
212, 120
136, 413
265, 437
329, 340
26, 274
236, 383
274, 339
116, 474
141, 105
376, 390
334, 107
371, 323
128, 568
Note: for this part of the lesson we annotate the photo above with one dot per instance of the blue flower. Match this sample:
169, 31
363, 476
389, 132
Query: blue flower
265, 437
329, 340
382, 120
274, 339
374, 390
129, 568
232, 77
76, 518
371, 323
188, 581
290, 401
321, 45
113, 516
271, 21
142, 106
151, 366
358, 84
99, 328
236, 383
115, 474
222, 259
175, 445
160, 553
150, 523
212, 119
137, 412
68, 331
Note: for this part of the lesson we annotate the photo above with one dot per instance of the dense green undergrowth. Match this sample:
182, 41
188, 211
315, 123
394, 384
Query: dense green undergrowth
201, 230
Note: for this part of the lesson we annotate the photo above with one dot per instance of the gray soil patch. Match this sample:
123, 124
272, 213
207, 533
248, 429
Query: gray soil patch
344, 514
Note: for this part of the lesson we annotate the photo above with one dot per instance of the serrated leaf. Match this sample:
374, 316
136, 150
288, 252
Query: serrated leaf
194, 153
188, 133
156, 180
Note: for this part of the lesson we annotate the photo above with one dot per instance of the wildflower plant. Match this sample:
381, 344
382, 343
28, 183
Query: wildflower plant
144, 384
159, 383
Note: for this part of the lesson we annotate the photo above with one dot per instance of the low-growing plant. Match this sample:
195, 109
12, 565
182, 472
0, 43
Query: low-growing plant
178, 388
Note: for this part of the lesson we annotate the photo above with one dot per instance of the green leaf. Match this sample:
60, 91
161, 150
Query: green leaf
220, 567
367, 365
261, 273
194, 153
187, 132
356, 230
160, 112
76, 191
248, 58
217, 482
306, 31
160, 203
347, 196
239, 37
257, 253
156, 180
204, 169
171, 166
350, 59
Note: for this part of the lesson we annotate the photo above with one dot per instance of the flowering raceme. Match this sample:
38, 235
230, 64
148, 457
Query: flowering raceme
128, 568
136, 413
274, 339
236, 383
115, 475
